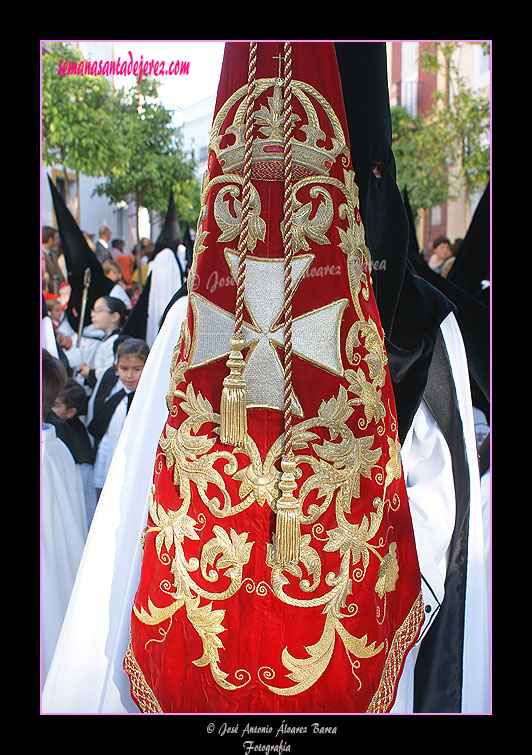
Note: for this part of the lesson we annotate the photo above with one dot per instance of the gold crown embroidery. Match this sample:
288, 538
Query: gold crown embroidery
310, 156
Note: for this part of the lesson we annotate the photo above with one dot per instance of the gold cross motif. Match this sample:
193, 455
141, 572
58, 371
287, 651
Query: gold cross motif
279, 57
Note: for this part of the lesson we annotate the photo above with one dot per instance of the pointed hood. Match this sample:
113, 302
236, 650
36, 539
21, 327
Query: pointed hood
473, 318
170, 236
410, 310
165, 278
471, 314
78, 257
472, 263
137, 320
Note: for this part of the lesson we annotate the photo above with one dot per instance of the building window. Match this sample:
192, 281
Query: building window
435, 216
409, 76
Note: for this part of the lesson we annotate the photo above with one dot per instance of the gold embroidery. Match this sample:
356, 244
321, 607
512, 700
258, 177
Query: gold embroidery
309, 157
376, 358
315, 229
142, 693
229, 224
230, 551
208, 624
264, 301
337, 459
306, 671
388, 572
403, 638
178, 369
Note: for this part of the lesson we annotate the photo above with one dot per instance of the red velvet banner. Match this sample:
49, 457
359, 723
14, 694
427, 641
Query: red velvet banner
218, 623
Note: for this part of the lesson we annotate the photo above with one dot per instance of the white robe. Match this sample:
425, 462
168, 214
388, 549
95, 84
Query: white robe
109, 441
48, 341
90, 340
428, 475
476, 683
165, 282
63, 533
118, 292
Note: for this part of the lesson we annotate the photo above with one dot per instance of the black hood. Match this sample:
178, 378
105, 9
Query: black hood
170, 236
78, 257
410, 309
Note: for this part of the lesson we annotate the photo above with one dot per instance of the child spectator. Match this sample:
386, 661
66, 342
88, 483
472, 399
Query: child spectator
64, 529
107, 423
64, 294
69, 406
105, 384
108, 315
113, 271
55, 310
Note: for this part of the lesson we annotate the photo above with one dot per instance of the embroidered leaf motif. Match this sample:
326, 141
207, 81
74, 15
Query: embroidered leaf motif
376, 358
172, 526
388, 572
208, 625
259, 483
368, 395
196, 404
155, 615
353, 538
358, 645
270, 119
316, 228
336, 410
233, 552
306, 671
310, 559
230, 224
393, 466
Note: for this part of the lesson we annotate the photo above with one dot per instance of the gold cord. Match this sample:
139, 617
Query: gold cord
233, 417
287, 533
233, 413
288, 247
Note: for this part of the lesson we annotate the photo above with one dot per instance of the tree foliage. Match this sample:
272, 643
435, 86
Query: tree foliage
153, 163
78, 116
420, 159
125, 138
454, 133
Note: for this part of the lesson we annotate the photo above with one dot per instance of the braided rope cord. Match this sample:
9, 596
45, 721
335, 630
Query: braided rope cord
288, 246
246, 189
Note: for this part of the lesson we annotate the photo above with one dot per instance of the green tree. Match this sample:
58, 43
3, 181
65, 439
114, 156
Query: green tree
420, 159
444, 154
78, 118
153, 162
462, 119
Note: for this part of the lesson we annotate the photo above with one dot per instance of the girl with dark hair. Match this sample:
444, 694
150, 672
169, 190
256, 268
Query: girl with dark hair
108, 315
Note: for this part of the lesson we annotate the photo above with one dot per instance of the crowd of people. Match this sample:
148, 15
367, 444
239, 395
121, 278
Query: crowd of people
118, 264
88, 384
441, 254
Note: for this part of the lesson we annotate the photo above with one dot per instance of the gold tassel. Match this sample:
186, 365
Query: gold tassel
233, 416
287, 532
